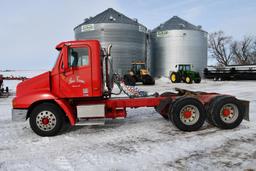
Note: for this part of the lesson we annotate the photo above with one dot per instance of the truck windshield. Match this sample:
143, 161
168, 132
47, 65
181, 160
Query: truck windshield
57, 58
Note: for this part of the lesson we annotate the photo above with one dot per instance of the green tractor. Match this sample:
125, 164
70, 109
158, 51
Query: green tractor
185, 74
138, 73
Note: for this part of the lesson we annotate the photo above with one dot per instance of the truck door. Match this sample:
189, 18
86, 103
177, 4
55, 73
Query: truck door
76, 80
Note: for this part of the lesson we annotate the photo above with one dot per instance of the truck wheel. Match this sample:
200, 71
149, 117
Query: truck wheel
188, 79
227, 112
46, 119
209, 107
148, 80
187, 114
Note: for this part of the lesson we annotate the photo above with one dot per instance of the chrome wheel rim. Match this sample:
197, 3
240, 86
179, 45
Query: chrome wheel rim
229, 113
189, 115
46, 120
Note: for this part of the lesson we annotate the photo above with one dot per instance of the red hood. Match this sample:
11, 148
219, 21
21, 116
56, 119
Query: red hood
38, 83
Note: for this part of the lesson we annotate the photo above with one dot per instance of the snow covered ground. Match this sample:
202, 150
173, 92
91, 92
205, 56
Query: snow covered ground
143, 141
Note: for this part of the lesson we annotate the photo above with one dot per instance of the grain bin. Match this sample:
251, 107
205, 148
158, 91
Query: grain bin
127, 36
177, 42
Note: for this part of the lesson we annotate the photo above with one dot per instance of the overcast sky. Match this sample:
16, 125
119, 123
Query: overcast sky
30, 29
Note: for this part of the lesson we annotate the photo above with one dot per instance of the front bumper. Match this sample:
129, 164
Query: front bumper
19, 114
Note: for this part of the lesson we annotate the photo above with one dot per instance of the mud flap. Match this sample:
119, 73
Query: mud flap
246, 109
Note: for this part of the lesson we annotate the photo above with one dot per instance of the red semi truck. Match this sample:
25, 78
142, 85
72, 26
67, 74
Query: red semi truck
79, 89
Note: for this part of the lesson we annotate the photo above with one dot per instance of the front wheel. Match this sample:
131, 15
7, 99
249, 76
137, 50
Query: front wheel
188, 114
175, 77
46, 119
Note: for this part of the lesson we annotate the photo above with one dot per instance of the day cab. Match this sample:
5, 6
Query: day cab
74, 89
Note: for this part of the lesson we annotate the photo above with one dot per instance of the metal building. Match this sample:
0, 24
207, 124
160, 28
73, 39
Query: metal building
127, 36
177, 42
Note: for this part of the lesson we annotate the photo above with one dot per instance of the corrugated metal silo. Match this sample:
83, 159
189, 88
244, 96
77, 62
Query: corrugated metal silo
178, 42
127, 36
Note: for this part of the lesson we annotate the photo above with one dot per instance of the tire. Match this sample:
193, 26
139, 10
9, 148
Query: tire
187, 114
188, 79
46, 119
227, 112
129, 80
132, 81
148, 80
197, 81
175, 77
209, 107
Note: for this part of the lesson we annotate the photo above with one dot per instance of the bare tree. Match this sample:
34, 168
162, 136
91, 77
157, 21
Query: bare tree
243, 51
253, 58
220, 47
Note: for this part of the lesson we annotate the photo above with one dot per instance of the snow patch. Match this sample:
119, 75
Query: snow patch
143, 141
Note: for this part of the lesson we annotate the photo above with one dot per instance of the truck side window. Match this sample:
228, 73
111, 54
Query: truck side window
78, 57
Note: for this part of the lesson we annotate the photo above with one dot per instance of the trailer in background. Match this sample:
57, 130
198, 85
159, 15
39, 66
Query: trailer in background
231, 72
4, 92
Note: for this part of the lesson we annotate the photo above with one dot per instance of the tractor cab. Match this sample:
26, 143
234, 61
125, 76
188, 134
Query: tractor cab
184, 67
185, 74
138, 73
139, 68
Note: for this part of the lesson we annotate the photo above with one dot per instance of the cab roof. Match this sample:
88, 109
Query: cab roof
138, 62
75, 42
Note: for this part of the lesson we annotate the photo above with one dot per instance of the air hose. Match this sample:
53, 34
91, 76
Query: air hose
130, 91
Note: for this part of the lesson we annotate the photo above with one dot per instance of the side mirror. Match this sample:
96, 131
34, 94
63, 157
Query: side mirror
176, 66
